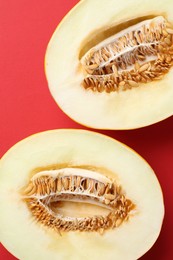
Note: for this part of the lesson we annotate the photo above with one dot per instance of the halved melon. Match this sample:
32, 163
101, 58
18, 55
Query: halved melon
109, 63
74, 194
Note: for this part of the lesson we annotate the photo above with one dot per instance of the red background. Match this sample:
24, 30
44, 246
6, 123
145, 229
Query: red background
26, 105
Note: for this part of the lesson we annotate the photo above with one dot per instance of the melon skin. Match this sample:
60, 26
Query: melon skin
27, 239
135, 108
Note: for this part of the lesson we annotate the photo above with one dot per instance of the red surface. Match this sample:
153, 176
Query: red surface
26, 105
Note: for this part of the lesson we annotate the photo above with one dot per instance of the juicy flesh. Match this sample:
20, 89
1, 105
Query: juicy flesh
97, 203
139, 54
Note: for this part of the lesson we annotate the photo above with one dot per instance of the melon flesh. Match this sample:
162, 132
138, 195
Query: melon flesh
137, 107
27, 239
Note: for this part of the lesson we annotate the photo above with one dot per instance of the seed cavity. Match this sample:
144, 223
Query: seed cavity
46, 191
138, 54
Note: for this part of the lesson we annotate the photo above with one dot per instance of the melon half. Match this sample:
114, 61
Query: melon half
109, 63
75, 194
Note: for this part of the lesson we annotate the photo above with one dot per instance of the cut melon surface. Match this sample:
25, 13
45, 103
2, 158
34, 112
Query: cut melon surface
75, 194
109, 63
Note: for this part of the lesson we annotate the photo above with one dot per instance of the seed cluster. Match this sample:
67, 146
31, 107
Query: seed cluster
44, 190
139, 56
